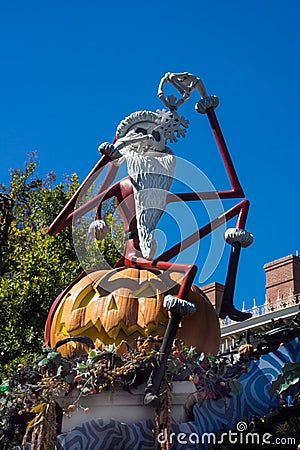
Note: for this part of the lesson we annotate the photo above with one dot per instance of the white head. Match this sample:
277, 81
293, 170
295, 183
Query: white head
159, 127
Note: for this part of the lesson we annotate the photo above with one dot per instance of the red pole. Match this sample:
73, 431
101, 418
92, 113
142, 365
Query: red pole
232, 175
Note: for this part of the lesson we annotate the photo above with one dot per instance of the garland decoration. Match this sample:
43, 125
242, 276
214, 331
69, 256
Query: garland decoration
28, 408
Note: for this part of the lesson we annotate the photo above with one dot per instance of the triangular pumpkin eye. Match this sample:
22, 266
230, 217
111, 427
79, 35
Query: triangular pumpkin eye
112, 304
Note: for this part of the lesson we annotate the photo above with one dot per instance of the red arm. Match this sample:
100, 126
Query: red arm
236, 191
64, 217
97, 200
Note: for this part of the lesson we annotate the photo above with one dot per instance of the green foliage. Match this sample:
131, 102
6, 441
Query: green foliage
214, 377
290, 376
34, 266
27, 399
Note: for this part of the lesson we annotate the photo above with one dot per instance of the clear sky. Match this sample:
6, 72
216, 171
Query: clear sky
71, 70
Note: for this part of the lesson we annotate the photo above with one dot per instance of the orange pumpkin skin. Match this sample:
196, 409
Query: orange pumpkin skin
125, 304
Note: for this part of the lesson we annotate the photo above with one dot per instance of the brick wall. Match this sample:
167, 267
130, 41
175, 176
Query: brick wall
214, 292
282, 278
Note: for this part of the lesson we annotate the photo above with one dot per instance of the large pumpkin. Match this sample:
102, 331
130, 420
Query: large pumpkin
125, 304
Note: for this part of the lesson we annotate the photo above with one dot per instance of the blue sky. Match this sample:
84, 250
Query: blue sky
71, 70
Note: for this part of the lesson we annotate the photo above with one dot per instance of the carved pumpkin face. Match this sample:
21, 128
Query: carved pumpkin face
126, 304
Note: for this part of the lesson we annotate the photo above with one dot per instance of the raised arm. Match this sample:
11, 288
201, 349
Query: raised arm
186, 83
236, 190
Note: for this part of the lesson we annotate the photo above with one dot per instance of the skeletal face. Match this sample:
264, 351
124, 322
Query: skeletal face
155, 142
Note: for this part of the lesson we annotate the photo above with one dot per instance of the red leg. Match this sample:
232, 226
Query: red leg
240, 210
242, 217
237, 241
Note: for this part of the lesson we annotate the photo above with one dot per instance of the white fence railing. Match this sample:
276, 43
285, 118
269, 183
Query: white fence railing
267, 308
